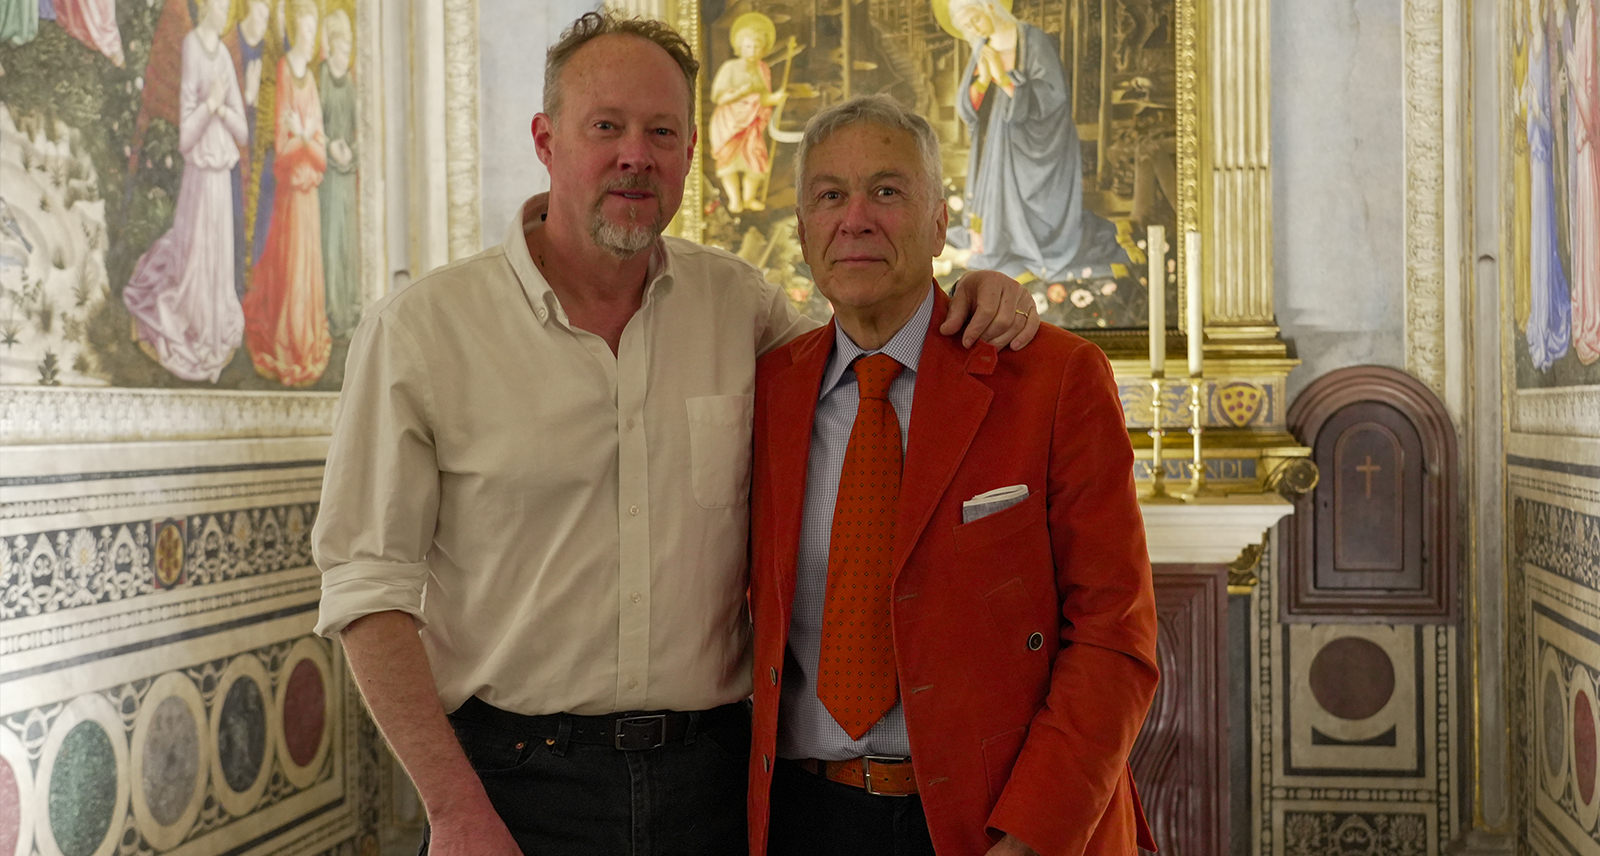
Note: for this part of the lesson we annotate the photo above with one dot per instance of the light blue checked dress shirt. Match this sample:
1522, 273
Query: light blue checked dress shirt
805, 727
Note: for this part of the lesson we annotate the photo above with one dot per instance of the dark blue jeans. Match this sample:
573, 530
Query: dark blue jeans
685, 798
812, 816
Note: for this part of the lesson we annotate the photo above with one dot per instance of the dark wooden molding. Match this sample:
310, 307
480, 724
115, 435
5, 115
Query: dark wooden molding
1180, 761
1407, 571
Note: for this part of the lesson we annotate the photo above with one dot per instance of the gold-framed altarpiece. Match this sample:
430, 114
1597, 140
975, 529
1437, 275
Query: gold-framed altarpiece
1169, 100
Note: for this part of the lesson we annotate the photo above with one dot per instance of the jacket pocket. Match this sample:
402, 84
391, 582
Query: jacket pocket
999, 756
719, 448
999, 525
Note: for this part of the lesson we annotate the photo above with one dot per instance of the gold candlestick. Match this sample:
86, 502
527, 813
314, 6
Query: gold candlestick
1197, 479
1158, 469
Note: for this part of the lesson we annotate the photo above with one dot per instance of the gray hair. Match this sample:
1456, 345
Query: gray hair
593, 25
878, 110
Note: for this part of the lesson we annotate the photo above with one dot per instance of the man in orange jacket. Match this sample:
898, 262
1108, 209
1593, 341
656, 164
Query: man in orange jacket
955, 622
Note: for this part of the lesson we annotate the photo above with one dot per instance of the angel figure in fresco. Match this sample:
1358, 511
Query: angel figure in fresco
1583, 222
1549, 307
1521, 178
181, 294
340, 262
286, 319
743, 94
1024, 211
93, 22
247, 42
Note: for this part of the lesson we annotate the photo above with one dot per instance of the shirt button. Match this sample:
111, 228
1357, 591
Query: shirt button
635, 597
633, 683
1036, 641
542, 313
633, 510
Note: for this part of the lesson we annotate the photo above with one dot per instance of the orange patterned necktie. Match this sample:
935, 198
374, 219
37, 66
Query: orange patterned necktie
856, 676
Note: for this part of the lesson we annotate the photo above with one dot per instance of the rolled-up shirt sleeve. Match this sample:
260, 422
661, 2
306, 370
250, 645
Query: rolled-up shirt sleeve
380, 492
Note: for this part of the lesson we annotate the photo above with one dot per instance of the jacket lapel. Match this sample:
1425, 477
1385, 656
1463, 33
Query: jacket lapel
946, 411
791, 408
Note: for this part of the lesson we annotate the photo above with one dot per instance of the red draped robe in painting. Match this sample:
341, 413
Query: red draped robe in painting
737, 128
1583, 74
286, 322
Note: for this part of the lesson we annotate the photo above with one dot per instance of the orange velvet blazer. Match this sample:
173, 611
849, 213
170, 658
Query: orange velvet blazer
1005, 736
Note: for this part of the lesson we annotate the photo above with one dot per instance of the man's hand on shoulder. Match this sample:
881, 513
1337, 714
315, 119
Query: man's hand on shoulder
1011, 846
1001, 311
478, 833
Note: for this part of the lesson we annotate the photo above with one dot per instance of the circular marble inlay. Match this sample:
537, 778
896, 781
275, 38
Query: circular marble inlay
83, 790
1555, 723
304, 712
10, 809
242, 734
171, 760
1352, 678
1583, 746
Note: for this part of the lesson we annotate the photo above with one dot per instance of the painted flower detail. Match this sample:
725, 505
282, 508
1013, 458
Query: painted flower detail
1109, 288
1057, 292
1081, 297
83, 555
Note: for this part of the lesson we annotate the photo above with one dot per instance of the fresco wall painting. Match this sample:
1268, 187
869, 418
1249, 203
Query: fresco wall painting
179, 195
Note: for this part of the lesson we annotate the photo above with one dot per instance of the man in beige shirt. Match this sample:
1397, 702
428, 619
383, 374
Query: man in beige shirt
541, 460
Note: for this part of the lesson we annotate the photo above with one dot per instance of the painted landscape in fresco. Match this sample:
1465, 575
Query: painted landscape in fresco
1057, 121
178, 192
1555, 235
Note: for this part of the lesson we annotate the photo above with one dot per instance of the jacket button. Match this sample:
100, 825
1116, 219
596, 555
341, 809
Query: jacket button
766, 764
1036, 641
772, 672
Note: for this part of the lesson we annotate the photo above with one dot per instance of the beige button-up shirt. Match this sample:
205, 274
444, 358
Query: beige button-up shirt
567, 525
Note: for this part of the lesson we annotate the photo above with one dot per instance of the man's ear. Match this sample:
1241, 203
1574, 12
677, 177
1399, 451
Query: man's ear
800, 230
941, 222
543, 128
694, 137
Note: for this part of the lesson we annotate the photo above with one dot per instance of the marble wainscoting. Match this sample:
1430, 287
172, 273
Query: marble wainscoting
160, 688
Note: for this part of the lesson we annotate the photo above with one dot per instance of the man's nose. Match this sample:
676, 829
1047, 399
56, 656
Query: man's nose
635, 153
856, 217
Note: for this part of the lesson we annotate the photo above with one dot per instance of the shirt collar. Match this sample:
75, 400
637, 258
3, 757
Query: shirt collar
905, 345
529, 217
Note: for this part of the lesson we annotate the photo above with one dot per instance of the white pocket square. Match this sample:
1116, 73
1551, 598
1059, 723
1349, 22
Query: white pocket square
989, 502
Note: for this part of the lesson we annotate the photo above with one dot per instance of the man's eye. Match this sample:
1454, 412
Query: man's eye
664, 132
888, 191
603, 126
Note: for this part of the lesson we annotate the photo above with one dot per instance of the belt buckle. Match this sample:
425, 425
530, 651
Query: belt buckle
656, 721
866, 771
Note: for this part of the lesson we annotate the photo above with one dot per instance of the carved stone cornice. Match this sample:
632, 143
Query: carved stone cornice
1567, 411
463, 181
1424, 217
36, 415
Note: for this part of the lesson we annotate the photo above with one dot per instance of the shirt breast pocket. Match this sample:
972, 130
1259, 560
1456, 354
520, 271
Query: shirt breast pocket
719, 448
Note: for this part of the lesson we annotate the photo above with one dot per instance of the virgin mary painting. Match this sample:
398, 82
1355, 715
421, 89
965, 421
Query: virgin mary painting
1024, 211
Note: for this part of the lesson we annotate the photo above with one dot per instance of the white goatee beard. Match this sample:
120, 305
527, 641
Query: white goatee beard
623, 241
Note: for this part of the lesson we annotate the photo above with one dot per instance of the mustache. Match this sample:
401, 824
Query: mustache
634, 182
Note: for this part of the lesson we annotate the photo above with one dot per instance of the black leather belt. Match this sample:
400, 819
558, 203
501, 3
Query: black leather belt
631, 731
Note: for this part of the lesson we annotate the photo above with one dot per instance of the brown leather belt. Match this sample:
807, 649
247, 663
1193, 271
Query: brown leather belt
883, 775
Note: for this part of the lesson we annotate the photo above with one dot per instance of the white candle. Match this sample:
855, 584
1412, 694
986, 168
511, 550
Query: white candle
1156, 252
1196, 320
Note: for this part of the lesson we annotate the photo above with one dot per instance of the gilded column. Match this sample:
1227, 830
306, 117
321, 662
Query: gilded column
1235, 212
